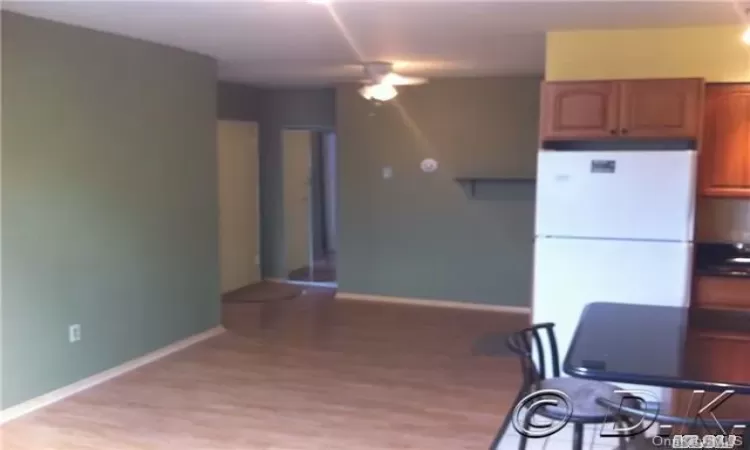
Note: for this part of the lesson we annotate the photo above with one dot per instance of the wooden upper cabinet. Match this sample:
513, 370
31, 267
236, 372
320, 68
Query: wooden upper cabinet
724, 166
579, 110
663, 108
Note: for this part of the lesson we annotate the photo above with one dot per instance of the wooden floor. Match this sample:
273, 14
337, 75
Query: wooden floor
301, 374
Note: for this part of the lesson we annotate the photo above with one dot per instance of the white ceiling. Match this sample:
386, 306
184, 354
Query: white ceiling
295, 42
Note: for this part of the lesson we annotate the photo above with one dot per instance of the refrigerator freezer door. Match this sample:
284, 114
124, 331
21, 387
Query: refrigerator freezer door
618, 195
571, 273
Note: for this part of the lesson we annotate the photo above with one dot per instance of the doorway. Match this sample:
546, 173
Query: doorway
238, 189
310, 201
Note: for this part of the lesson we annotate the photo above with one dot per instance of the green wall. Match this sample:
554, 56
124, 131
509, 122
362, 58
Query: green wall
421, 235
235, 101
284, 108
108, 201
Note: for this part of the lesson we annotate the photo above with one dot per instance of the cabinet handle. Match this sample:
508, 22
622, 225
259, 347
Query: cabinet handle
613, 132
623, 131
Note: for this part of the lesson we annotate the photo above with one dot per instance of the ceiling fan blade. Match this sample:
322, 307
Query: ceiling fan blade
395, 79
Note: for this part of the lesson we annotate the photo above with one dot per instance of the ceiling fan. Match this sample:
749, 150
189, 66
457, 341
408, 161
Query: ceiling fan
381, 80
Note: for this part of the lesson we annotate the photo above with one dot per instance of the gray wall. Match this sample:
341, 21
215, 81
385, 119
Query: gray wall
418, 234
236, 101
284, 108
108, 201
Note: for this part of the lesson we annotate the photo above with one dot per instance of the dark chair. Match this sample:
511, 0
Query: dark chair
582, 393
637, 415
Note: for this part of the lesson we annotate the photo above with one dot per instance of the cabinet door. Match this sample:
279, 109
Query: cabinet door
661, 108
722, 357
722, 292
724, 162
578, 110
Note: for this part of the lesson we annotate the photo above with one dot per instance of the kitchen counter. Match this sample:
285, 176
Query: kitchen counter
722, 259
723, 272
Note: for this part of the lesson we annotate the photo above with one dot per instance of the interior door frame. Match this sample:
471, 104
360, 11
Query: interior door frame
322, 130
330, 189
258, 257
285, 157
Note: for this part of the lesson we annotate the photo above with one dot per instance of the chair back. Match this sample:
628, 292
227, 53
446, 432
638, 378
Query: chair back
538, 338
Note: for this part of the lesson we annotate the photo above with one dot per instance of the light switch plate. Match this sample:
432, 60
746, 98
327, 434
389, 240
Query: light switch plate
387, 172
74, 333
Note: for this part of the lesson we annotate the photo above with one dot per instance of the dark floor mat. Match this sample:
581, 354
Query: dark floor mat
263, 292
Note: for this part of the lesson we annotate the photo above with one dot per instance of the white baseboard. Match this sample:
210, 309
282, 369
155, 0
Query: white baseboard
49, 398
329, 284
434, 303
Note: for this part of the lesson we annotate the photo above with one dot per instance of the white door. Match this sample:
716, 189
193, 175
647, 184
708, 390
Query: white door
237, 158
620, 195
297, 155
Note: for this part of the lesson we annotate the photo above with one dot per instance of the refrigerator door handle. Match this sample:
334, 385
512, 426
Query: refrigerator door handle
693, 195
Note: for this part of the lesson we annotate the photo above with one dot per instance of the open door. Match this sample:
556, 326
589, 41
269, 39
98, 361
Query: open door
239, 225
297, 150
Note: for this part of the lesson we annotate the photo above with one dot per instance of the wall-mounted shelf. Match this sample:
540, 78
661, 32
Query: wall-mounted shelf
473, 180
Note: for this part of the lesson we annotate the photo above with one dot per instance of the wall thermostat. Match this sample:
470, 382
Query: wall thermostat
429, 165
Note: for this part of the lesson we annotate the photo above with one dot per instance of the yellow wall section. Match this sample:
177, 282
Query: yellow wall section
714, 53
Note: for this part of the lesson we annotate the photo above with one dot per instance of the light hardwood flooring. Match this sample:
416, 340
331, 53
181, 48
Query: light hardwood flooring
309, 373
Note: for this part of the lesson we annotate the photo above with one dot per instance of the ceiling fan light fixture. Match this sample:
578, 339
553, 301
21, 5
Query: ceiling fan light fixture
381, 92
746, 35
392, 79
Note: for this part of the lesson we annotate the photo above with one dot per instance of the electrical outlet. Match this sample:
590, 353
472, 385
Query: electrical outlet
74, 333
387, 172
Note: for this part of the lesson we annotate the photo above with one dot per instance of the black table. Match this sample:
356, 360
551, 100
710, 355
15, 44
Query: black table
648, 345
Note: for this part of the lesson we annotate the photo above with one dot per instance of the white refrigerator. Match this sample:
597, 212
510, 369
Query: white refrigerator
611, 226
